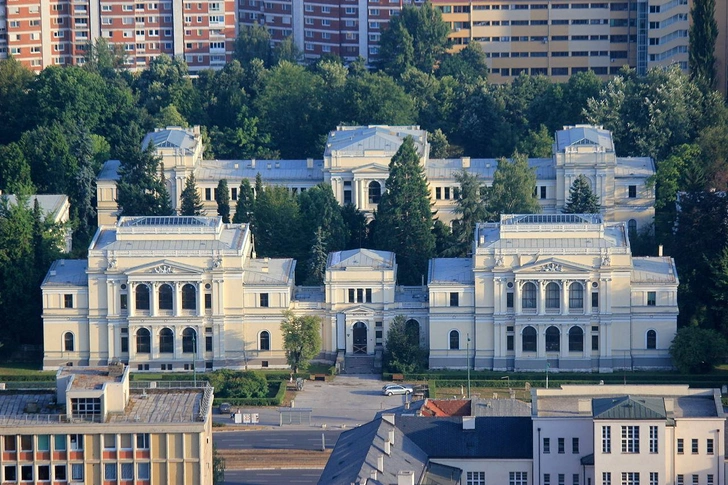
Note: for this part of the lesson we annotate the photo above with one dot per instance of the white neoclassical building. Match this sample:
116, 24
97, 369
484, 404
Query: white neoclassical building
170, 293
356, 165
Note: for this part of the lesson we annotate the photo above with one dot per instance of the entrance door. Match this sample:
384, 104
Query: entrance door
360, 338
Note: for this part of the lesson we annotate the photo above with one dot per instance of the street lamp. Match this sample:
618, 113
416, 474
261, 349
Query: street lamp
467, 345
508, 378
194, 358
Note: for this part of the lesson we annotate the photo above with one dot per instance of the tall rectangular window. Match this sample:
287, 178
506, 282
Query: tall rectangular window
359, 295
517, 478
562, 479
208, 343
208, 301
654, 478
77, 471
547, 445
653, 440
475, 478
67, 301
575, 479
123, 301
606, 439
595, 300
125, 340
696, 479
575, 446
606, 478
509, 300
546, 479
44, 442
9, 443
26, 442
710, 479
76, 442
630, 478
630, 439
368, 294
680, 480
709, 446
10, 473
352, 297
694, 446
542, 191
561, 446
264, 300
651, 298
142, 441
632, 191
59, 442
680, 446
208, 193
454, 299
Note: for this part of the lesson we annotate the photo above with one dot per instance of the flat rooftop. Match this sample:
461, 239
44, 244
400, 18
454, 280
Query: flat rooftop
684, 406
89, 377
152, 406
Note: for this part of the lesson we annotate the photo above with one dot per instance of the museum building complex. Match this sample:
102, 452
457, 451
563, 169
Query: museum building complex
549, 289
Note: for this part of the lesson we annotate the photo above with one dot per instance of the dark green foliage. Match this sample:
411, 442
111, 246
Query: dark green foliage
697, 350
166, 82
404, 217
218, 467
446, 245
15, 83
703, 34
301, 339
222, 197
317, 259
245, 205
141, 190
191, 202
51, 161
320, 211
83, 189
581, 198
277, 226
416, 37
377, 99
356, 227
237, 384
513, 188
470, 210
14, 170
253, 42
402, 349
468, 66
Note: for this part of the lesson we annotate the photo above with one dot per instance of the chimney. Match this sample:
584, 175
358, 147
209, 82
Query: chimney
468, 423
237, 166
659, 250
380, 463
373, 475
466, 162
388, 417
406, 477
391, 436
387, 448
309, 163
252, 162
669, 405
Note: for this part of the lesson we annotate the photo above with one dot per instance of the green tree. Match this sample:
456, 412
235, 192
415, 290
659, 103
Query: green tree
245, 205
356, 227
404, 217
377, 99
402, 348
166, 82
170, 116
15, 83
513, 188
104, 58
191, 202
468, 66
537, 143
253, 42
317, 259
321, 211
446, 245
419, 30
703, 34
83, 187
581, 198
286, 50
218, 467
301, 339
277, 227
222, 197
697, 350
14, 170
141, 190
438, 144
470, 210
53, 166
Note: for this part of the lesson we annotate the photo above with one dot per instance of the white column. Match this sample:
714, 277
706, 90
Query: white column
131, 302
564, 297
111, 299
132, 342
541, 297
153, 298
518, 340
177, 299
110, 342
154, 341
564, 329
517, 297
200, 288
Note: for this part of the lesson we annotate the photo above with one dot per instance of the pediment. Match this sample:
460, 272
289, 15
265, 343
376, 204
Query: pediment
359, 310
552, 265
165, 267
374, 168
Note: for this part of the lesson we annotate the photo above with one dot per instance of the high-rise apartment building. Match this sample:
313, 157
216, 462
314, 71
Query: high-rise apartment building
41, 34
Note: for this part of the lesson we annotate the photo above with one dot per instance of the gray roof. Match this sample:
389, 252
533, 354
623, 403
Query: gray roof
361, 258
269, 271
269, 170
170, 137
110, 170
355, 140
67, 272
492, 438
49, 204
446, 169
451, 271
629, 407
106, 240
501, 407
654, 269
584, 135
356, 453
631, 167
189, 221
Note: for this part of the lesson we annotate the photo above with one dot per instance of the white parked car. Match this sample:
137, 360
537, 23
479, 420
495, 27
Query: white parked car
390, 389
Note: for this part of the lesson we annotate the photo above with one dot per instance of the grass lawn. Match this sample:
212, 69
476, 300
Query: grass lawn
23, 370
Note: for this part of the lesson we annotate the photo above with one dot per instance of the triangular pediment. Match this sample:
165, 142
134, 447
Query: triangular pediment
165, 267
359, 310
377, 168
552, 265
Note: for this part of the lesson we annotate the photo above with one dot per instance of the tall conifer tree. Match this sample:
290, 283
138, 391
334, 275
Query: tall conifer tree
703, 33
191, 204
245, 205
404, 216
141, 190
581, 198
223, 201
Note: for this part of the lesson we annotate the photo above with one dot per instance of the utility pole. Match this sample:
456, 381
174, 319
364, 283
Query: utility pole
194, 358
468, 363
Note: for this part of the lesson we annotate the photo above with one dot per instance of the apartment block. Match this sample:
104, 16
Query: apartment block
41, 34
95, 427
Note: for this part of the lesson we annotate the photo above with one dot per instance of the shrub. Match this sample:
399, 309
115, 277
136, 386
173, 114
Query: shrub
697, 350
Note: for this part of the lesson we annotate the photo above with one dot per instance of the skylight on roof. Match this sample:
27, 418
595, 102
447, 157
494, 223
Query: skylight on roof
169, 221
553, 219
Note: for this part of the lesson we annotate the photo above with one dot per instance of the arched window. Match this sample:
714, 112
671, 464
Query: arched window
68, 342
454, 340
166, 341
143, 341
553, 339
632, 227
529, 336
141, 295
576, 339
576, 295
165, 297
553, 295
264, 340
651, 339
528, 298
412, 332
189, 297
189, 340
375, 192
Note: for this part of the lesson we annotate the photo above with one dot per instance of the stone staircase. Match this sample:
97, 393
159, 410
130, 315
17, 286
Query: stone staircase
359, 364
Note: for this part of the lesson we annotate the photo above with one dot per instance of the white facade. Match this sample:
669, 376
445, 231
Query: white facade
356, 165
